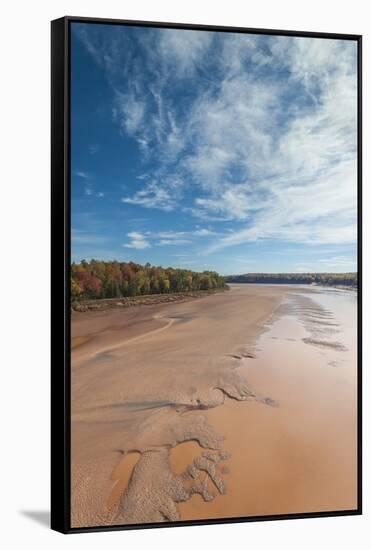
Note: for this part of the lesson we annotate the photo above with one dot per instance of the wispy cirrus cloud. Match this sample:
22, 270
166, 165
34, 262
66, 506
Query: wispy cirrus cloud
129, 111
257, 131
172, 238
152, 195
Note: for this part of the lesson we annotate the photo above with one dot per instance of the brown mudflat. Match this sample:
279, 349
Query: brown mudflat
171, 415
298, 457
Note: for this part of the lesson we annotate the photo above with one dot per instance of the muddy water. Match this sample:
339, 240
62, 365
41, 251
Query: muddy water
300, 456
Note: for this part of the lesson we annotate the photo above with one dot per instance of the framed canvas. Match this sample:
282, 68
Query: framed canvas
206, 274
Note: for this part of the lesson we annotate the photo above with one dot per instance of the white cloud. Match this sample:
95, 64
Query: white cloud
182, 236
256, 130
323, 211
152, 196
165, 238
137, 240
182, 52
301, 185
172, 242
129, 110
170, 234
203, 232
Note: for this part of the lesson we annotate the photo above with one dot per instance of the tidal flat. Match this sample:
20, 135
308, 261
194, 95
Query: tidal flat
241, 403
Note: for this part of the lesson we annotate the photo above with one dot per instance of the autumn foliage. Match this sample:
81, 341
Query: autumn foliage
97, 279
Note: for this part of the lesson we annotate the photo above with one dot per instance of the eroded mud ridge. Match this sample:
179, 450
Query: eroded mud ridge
154, 490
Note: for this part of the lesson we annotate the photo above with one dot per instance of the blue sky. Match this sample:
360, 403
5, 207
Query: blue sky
205, 150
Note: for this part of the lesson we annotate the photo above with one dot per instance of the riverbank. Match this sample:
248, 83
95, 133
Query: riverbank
145, 300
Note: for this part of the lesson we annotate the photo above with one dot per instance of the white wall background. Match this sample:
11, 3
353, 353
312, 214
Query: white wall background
24, 272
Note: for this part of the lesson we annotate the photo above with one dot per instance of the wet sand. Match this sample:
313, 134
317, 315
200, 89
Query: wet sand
298, 457
155, 389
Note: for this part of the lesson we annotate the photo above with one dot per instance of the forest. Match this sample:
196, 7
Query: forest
326, 279
97, 279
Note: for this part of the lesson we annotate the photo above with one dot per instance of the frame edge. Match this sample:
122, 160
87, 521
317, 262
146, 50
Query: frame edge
59, 520
60, 436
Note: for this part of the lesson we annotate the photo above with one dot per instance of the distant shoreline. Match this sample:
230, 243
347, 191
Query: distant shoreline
337, 280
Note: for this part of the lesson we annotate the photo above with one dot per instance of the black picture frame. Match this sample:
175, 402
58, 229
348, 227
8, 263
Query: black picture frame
60, 273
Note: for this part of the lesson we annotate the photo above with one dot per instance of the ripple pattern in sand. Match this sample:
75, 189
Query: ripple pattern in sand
323, 330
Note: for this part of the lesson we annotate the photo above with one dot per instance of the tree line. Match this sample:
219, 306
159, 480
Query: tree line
330, 279
97, 279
